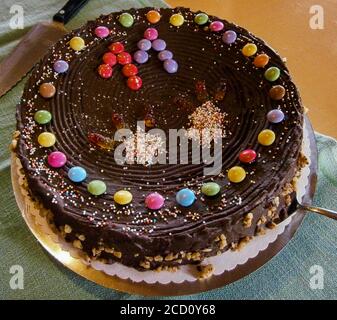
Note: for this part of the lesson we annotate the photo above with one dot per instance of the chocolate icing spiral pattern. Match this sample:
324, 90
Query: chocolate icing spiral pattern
84, 102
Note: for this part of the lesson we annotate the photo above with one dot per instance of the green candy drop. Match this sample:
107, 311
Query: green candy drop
126, 20
42, 116
96, 187
201, 18
210, 189
272, 74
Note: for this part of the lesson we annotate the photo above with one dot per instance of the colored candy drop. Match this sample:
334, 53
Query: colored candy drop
116, 47
159, 45
102, 32
171, 66
57, 159
275, 116
126, 20
101, 141
165, 55
266, 137
141, 56
124, 58
77, 43
185, 197
151, 34
247, 156
42, 116
277, 92
118, 120
46, 139
96, 187
153, 16
109, 58
61, 66
154, 201
77, 174
210, 189
272, 74
261, 60
177, 20
47, 90
105, 71
201, 19
135, 83
216, 26
123, 197
236, 174
130, 70
144, 45
229, 37
249, 49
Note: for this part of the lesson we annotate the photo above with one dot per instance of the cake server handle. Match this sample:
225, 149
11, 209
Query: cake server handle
324, 212
69, 10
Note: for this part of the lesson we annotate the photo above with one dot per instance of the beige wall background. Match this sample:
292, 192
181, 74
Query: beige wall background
311, 54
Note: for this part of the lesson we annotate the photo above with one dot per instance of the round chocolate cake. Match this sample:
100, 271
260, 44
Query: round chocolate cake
170, 70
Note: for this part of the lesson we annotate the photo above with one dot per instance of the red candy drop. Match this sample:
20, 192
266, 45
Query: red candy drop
130, 70
247, 156
124, 58
135, 83
110, 59
105, 71
116, 47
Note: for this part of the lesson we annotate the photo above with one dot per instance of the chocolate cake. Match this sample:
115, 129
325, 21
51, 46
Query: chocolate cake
171, 69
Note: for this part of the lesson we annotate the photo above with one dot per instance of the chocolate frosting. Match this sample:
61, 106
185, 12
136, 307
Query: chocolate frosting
84, 103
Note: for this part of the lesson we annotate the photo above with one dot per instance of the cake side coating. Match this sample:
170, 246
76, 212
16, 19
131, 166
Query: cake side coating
84, 103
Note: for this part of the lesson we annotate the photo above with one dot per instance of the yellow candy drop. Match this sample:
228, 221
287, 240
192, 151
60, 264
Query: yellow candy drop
177, 20
266, 137
249, 49
236, 174
77, 43
46, 139
123, 197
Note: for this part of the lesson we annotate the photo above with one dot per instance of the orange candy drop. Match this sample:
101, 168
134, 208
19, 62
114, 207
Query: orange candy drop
261, 60
153, 16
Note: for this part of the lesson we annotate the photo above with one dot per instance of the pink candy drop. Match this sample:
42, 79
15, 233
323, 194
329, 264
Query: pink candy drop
57, 159
151, 34
216, 26
154, 201
102, 32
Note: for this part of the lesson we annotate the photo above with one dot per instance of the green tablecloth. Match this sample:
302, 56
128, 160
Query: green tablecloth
286, 276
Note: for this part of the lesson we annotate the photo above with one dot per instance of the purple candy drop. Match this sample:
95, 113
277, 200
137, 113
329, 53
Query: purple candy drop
171, 66
159, 45
61, 66
165, 55
275, 116
141, 56
144, 44
229, 37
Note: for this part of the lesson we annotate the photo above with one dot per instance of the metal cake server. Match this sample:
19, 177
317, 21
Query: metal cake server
322, 211
34, 45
